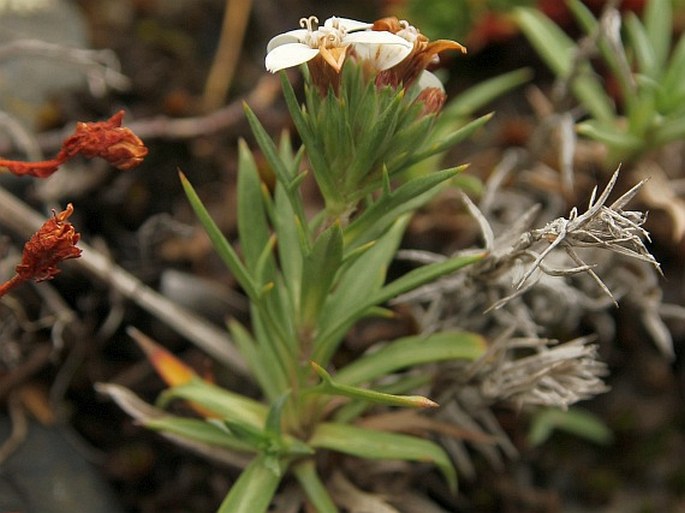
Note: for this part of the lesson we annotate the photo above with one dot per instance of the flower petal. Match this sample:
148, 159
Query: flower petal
292, 36
383, 49
348, 24
288, 56
429, 80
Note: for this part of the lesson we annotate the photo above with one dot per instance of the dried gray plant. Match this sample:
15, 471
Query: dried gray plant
537, 283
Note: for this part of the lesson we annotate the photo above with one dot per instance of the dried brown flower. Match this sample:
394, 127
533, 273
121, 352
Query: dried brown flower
105, 139
108, 140
53, 243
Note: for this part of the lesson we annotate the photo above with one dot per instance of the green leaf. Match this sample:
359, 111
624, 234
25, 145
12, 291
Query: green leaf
263, 364
410, 281
610, 136
422, 275
478, 96
290, 249
330, 387
405, 383
575, 421
198, 430
316, 491
266, 144
673, 83
446, 143
658, 20
253, 228
549, 41
319, 269
373, 145
254, 489
371, 444
272, 426
616, 58
268, 442
226, 404
669, 130
583, 15
315, 151
389, 207
642, 47
556, 49
594, 97
364, 277
221, 245
411, 351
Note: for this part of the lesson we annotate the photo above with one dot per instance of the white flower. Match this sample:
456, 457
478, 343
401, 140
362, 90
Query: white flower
331, 41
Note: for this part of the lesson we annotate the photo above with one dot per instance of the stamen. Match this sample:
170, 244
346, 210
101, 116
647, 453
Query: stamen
331, 40
309, 23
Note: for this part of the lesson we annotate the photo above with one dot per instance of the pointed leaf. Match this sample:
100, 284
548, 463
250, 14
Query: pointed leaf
556, 49
360, 280
669, 130
422, 275
253, 228
641, 46
389, 207
575, 421
221, 245
266, 144
226, 404
446, 143
371, 444
319, 269
262, 364
478, 96
198, 430
673, 83
410, 351
290, 249
254, 489
658, 20
610, 136
311, 483
314, 150
410, 281
331, 387
550, 42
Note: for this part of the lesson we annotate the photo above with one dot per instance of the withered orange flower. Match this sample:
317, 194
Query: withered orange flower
53, 243
424, 53
105, 139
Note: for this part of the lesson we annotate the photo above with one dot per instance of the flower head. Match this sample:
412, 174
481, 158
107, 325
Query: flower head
53, 243
108, 140
105, 139
424, 53
332, 43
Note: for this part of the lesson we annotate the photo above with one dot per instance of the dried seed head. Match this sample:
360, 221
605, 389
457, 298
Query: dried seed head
108, 140
105, 139
54, 242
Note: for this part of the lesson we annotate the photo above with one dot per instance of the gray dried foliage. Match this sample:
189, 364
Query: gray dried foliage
538, 284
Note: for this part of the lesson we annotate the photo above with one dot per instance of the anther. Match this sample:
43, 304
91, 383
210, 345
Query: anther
309, 23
